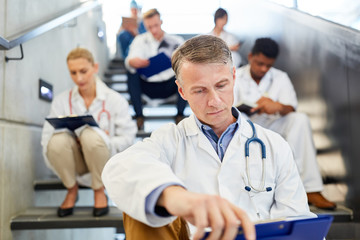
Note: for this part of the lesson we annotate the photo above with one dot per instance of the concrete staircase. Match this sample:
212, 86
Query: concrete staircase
49, 193
43, 214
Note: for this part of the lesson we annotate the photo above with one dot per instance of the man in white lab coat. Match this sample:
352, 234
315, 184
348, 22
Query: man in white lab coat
272, 91
197, 170
157, 86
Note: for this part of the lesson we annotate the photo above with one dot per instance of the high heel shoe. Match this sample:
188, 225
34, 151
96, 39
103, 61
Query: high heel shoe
98, 212
63, 212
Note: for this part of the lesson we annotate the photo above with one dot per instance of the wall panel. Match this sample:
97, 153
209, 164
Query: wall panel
22, 113
32, 13
48, 62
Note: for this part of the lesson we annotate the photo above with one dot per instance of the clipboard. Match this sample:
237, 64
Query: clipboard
309, 228
72, 123
157, 64
129, 23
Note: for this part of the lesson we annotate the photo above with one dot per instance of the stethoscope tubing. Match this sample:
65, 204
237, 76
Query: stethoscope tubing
254, 138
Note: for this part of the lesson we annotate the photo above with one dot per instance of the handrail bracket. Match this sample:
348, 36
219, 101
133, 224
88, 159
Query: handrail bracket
16, 59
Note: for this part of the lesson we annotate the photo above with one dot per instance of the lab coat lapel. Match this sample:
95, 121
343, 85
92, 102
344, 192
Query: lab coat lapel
237, 143
203, 143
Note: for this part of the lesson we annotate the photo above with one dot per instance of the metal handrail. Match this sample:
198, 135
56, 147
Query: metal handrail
18, 39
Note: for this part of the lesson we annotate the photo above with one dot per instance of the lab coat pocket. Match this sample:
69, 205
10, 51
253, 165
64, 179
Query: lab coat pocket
265, 197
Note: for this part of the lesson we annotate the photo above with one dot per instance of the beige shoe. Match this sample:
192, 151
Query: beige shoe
140, 123
318, 200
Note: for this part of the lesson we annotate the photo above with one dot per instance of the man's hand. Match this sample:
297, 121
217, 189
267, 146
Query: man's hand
268, 106
139, 62
204, 210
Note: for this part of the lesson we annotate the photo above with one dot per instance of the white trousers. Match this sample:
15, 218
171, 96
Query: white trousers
70, 157
295, 128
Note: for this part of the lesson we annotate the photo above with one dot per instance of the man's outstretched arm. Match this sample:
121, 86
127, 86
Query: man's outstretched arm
204, 210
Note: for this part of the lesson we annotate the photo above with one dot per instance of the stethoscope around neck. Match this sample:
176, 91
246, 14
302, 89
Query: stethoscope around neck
250, 186
103, 110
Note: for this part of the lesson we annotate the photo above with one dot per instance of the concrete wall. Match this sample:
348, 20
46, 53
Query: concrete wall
22, 113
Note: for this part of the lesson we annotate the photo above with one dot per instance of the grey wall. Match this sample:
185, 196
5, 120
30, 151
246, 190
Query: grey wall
22, 113
323, 61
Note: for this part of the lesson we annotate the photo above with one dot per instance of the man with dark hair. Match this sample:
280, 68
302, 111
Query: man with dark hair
197, 169
160, 85
266, 46
275, 97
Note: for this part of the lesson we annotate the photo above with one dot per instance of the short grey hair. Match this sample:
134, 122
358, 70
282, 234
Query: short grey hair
202, 49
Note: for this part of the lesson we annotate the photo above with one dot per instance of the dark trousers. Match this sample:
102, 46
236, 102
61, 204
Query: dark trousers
125, 39
165, 89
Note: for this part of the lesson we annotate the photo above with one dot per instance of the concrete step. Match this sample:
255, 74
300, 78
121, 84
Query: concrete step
344, 231
111, 72
51, 184
46, 218
115, 80
116, 64
340, 214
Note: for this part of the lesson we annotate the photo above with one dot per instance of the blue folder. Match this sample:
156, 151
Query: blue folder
157, 64
309, 229
72, 123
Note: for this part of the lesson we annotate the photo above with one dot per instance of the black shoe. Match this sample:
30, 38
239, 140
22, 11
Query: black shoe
63, 212
98, 212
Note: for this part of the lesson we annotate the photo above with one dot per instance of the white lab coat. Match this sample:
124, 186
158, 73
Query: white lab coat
294, 127
182, 154
275, 84
122, 129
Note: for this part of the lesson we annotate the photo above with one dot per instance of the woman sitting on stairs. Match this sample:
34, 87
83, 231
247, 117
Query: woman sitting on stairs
87, 149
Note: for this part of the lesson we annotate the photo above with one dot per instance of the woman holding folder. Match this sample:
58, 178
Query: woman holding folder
71, 154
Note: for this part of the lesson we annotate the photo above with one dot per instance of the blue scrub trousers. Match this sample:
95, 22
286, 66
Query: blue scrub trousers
125, 39
162, 90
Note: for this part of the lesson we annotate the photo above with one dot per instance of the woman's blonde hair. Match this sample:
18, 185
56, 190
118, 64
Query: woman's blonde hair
80, 53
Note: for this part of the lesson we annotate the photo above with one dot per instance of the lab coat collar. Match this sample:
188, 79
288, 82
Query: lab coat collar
265, 82
100, 90
245, 128
191, 128
152, 39
234, 112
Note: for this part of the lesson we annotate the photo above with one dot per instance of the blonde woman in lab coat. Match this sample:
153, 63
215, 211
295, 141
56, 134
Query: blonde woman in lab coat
73, 154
